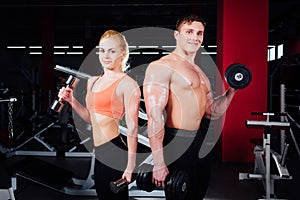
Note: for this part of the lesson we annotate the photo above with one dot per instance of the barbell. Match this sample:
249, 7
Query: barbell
238, 76
177, 183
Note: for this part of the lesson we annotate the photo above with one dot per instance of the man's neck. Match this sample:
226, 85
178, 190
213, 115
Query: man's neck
190, 57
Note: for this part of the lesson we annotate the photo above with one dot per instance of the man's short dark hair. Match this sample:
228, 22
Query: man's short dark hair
189, 19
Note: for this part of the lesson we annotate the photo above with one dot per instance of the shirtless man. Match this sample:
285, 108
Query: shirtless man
176, 85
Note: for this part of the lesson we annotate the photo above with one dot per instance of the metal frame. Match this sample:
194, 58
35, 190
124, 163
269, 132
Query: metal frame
262, 168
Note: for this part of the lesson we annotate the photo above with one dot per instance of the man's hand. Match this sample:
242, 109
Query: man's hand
159, 175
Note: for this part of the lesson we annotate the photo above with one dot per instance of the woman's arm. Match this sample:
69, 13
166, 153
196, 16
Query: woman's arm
66, 94
132, 95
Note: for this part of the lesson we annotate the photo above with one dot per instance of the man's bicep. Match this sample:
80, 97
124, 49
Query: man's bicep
156, 87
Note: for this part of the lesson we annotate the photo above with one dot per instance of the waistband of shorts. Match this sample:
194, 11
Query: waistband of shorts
181, 132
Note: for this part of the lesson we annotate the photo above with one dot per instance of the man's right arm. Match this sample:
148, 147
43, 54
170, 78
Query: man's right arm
156, 93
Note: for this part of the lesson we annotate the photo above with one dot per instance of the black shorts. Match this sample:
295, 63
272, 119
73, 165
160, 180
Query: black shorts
181, 152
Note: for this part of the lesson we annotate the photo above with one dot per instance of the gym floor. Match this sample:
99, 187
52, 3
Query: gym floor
224, 183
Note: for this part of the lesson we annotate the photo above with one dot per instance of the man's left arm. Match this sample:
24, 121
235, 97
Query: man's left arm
217, 106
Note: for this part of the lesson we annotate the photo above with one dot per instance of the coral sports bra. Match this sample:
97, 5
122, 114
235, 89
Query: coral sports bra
105, 102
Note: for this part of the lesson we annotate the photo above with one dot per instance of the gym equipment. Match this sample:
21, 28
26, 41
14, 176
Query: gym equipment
287, 117
263, 153
48, 149
70, 83
10, 115
238, 76
57, 178
177, 183
7, 194
72, 72
118, 185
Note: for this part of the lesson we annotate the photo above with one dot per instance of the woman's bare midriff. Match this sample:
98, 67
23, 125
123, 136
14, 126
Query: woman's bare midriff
104, 128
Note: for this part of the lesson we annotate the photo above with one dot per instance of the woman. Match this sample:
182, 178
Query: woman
108, 97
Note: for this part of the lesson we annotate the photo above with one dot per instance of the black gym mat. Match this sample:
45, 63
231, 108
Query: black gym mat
44, 173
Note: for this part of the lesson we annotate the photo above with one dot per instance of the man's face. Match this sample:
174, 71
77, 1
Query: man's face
190, 36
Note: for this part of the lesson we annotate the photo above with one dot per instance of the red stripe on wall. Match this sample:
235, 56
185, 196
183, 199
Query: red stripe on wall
242, 37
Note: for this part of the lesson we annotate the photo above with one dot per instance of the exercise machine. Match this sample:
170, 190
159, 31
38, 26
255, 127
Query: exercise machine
8, 193
287, 117
263, 154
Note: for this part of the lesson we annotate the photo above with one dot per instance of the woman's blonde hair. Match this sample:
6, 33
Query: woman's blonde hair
123, 43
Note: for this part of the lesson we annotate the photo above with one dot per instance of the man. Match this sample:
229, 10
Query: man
176, 85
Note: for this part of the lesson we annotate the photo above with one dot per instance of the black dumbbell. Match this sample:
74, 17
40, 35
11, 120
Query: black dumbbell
177, 183
71, 82
238, 76
118, 185
143, 179
176, 186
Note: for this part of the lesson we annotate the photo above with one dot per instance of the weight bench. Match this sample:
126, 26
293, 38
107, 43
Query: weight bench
263, 152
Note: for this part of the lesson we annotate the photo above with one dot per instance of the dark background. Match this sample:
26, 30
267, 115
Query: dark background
31, 78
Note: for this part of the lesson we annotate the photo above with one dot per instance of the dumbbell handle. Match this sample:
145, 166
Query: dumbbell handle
118, 185
70, 83
60, 99
121, 184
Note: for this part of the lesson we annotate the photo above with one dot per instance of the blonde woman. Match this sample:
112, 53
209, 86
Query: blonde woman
109, 97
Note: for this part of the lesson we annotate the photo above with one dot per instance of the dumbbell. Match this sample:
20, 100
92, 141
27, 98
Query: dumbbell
177, 183
238, 76
71, 82
121, 184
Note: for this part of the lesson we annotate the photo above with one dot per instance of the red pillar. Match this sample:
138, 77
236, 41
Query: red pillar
242, 37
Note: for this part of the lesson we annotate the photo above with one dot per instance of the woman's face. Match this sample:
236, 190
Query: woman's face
110, 53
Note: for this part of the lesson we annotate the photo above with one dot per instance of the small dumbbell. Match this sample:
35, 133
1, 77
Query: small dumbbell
118, 185
71, 82
144, 172
238, 76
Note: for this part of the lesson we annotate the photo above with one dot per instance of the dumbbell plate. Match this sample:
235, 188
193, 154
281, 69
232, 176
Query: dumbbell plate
182, 185
177, 185
144, 178
238, 76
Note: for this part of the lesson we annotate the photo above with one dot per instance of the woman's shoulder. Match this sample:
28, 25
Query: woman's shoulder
128, 80
93, 78
127, 83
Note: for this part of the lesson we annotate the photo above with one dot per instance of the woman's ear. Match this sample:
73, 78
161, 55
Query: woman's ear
123, 55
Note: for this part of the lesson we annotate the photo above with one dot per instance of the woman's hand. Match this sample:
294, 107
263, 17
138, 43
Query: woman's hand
66, 94
127, 175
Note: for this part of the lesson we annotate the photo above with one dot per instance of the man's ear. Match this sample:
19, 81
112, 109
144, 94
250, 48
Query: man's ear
176, 33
